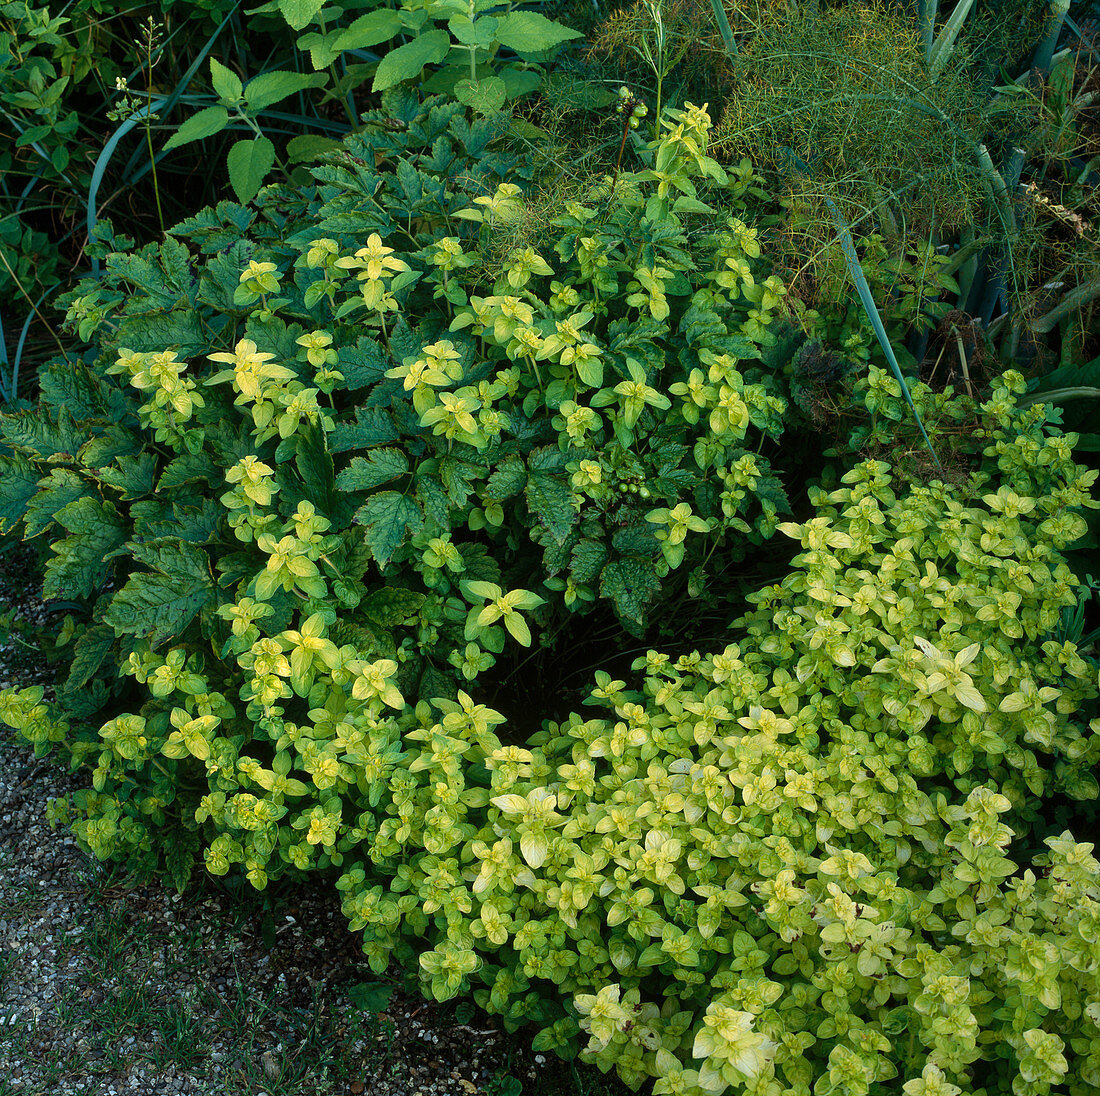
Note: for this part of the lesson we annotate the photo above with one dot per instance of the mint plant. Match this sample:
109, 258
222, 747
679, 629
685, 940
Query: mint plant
466, 51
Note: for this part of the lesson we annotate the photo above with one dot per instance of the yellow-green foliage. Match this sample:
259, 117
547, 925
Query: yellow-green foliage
783, 867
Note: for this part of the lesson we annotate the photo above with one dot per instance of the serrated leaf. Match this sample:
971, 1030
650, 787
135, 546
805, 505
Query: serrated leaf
34, 433
107, 446
204, 124
270, 88
199, 524
314, 464
188, 468
308, 146
371, 426
19, 481
377, 467
391, 606
56, 491
547, 458
226, 84
458, 478
74, 387
637, 540
630, 585
529, 32
588, 558
507, 480
300, 13
77, 567
551, 502
433, 500
160, 604
88, 655
181, 328
181, 847
387, 519
248, 163
484, 96
131, 476
369, 30
363, 364
371, 996
406, 62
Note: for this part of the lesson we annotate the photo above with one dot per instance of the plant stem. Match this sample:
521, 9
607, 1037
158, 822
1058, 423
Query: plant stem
148, 121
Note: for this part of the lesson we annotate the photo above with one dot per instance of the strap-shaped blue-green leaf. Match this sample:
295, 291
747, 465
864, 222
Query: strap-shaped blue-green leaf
869, 306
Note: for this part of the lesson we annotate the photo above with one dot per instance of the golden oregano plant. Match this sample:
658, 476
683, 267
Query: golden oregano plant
784, 866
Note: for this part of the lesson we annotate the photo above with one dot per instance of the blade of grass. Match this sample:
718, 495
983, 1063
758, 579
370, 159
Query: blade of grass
724, 27
944, 45
847, 246
1058, 395
4, 364
926, 21
1044, 51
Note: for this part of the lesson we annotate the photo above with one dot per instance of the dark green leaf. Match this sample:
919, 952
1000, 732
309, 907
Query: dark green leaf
388, 518
363, 364
630, 584
88, 654
56, 492
589, 557
160, 605
507, 480
550, 500
458, 478
377, 467
371, 997
131, 476
18, 484
75, 388
188, 468
77, 567
371, 426
314, 464
391, 606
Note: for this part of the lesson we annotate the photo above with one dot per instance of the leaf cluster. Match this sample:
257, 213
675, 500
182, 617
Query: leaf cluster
785, 863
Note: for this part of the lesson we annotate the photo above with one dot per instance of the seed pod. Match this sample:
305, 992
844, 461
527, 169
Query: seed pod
633, 123
624, 92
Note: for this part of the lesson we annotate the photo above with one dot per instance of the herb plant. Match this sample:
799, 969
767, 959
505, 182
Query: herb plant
788, 863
